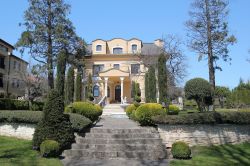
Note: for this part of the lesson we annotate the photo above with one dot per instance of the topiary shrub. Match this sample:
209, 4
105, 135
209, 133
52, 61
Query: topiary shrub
13, 104
79, 122
49, 148
36, 106
173, 110
145, 112
199, 89
180, 150
129, 110
86, 109
54, 124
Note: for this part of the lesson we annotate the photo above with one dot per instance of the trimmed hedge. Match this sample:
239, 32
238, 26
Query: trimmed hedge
145, 112
205, 118
180, 150
12, 104
86, 109
49, 148
79, 122
173, 110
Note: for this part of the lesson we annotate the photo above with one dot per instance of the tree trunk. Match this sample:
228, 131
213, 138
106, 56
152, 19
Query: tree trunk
210, 51
50, 52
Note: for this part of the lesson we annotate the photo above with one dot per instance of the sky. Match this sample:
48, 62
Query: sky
147, 20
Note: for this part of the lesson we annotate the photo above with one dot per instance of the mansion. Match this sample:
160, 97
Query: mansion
114, 64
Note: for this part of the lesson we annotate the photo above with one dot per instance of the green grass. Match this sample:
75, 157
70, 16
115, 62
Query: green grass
224, 155
18, 152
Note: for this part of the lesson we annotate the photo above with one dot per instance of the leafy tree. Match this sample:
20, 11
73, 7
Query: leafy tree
48, 31
208, 33
199, 89
162, 78
78, 91
151, 85
222, 93
54, 125
69, 94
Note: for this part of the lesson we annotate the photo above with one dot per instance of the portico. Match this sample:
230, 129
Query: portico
115, 81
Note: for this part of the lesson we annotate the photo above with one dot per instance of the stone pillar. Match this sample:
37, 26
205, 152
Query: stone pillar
121, 78
106, 86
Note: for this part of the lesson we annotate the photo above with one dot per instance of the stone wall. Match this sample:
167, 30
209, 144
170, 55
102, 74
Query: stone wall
204, 134
24, 131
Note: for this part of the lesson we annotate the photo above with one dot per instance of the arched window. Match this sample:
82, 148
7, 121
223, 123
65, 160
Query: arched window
99, 48
96, 91
117, 50
134, 47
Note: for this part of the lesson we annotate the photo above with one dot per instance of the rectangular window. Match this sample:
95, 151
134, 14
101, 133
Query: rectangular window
1, 81
135, 68
97, 69
3, 48
13, 84
2, 63
116, 66
14, 64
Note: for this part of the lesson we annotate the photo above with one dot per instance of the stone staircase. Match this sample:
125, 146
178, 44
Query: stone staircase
100, 143
113, 109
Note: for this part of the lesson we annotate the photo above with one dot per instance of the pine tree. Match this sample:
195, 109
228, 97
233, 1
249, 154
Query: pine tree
47, 32
78, 85
152, 85
208, 33
162, 78
69, 94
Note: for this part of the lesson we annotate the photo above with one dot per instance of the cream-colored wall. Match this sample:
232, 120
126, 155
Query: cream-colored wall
99, 42
107, 46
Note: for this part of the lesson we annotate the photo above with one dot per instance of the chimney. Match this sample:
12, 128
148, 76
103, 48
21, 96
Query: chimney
159, 43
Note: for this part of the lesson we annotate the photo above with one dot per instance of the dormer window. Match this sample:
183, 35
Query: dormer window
117, 50
99, 48
134, 48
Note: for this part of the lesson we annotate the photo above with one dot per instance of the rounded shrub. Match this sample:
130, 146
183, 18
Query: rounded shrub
173, 110
129, 110
49, 148
199, 89
181, 150
86, 109
145, 112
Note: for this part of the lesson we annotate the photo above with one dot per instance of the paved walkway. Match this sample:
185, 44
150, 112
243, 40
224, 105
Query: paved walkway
115, 122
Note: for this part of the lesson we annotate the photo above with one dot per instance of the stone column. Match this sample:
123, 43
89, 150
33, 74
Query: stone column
121, 78
106, 86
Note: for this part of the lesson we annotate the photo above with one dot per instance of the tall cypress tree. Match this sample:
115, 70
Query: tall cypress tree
90, 88
162, 78
78, 85
152, 84
60, 77
69, 94
146, 88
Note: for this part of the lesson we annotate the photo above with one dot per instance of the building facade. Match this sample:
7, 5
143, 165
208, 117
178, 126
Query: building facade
114, 64
12, 72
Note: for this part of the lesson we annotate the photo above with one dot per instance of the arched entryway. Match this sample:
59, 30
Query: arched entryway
118, 93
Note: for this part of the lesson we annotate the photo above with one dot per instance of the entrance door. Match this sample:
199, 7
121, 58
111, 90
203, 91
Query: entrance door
118, 93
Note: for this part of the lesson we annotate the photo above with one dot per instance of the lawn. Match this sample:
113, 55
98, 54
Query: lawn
224, 155
18, 152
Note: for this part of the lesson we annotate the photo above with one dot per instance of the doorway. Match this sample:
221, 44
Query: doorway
118, 93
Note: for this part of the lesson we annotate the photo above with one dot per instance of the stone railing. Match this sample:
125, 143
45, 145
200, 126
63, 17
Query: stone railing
204, 134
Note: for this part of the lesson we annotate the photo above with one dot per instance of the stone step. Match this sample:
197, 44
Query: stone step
124, 131
130, 135
150, 155
117, 147
151, 141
